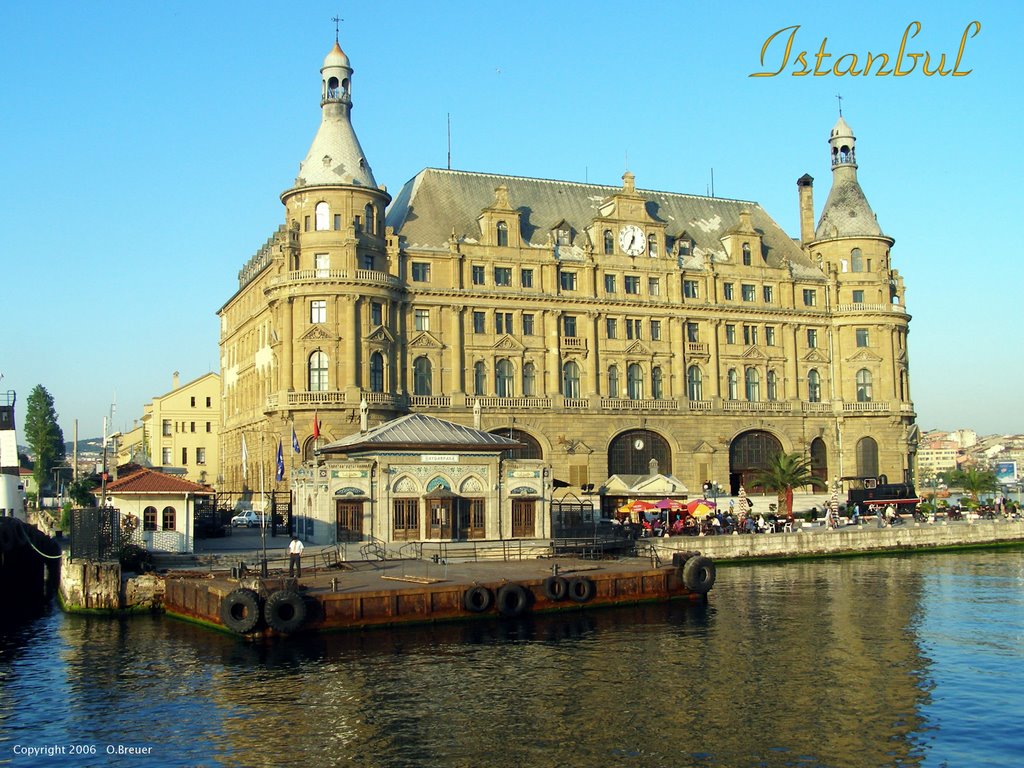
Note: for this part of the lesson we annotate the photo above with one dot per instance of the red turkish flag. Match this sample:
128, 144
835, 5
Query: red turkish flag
316, 427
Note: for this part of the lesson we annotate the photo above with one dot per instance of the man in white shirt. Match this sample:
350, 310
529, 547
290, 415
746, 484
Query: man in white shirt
295, 557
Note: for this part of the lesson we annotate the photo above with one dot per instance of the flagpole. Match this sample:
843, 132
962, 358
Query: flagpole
263, 511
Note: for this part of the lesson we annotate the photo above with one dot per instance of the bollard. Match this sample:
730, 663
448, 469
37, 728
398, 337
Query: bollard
554, 569
263, 568
334, 584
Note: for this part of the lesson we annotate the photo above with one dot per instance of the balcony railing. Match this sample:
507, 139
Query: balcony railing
866, 407
521, 403
327, 397
696, 348
700, 405
386, 399
576, 402
573, 342
809, 407
625, 404
430, 401
757, 406
360, 275
898, 308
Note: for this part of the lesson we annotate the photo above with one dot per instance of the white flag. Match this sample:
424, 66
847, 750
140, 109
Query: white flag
245, 459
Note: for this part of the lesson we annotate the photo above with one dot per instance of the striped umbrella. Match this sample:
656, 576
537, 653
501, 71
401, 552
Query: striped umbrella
744, 507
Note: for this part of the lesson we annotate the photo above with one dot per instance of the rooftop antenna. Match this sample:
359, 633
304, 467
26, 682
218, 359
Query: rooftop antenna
712, 182
840, 98
336, 20
449, 141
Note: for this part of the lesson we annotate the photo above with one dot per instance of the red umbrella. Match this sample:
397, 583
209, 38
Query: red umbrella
673, 505
692, 505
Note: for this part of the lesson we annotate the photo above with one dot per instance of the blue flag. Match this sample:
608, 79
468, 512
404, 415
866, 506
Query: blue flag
295, 441
280, 461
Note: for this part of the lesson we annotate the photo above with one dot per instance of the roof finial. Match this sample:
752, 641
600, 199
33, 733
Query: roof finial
337, 19
840, 104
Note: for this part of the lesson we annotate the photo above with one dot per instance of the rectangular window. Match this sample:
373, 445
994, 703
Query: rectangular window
631, 283
209, 402
478, 322
376, 313
769, 335
209, 426
318, 311
634, 329
503, 275
322, 263
692, 332
305, 224
750, 335
337, 221
569, 326
748, 292
609, 283
858, 297
810, 297
567, 280
167, 427
730, 333
193, 402
526, 278
690, 289
420, 272
727, 293
655, 330
184, 457
612, 327
812, 338
421, 320
192, 426
768, 293
654, 286
527, 325
200, 455
503, 322
862, 337
166, 456
478, 275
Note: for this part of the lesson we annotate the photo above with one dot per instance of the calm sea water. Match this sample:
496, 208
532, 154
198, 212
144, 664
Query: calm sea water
882, 661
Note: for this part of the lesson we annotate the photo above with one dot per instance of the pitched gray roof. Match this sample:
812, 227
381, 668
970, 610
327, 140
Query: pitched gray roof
435, 201
422, 432
335, 156
847, 212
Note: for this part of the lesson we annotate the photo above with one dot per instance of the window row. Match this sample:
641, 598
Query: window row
167, 456
323, 220
182, 426
748, 292
149, 519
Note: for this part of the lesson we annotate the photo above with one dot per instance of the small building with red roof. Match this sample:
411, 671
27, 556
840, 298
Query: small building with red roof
163, 507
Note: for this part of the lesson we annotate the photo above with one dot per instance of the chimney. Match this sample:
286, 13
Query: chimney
805, 188
174, 380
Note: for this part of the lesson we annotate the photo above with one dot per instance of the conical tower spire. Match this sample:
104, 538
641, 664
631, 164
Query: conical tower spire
846, 212
335, 156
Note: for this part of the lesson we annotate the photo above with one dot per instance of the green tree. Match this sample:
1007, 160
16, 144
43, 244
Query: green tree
786, 471
81, 492
43, 434
975, 481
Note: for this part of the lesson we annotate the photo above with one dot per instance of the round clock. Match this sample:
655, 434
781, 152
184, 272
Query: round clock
632, 240
638, 444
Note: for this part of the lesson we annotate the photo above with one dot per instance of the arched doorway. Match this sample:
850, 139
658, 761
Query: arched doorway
749, 454
532, 449
867, 457
630, 453
819, 459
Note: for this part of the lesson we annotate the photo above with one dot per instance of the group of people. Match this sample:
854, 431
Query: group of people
712, 524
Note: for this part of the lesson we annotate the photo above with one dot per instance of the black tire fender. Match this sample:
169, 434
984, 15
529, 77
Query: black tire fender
556, 588
581, 589
240, 611
477, 599
285, 611
512, 600
699, 574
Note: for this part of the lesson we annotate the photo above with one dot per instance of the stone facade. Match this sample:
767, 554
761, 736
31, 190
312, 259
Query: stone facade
602, 326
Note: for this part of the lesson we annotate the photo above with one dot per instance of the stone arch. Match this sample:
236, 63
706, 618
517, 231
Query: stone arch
867, 457
405, 484
533, 449
749, 453
630, 453
819, 459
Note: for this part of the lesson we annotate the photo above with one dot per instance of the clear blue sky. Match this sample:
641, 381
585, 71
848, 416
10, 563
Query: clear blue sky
144, 146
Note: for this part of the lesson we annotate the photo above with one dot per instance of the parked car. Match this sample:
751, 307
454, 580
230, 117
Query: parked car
249, 519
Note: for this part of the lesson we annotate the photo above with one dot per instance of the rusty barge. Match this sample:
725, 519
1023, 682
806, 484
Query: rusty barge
387, 594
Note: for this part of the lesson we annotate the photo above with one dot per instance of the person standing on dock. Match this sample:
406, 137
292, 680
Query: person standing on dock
295, 548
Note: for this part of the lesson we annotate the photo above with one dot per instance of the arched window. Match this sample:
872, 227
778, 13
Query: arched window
652, 245
532, 449
773, 386
149, 519
323, 216
867, 457
504, 383
694, 383
857, 260
752, 384
529, 380
479, 378
657, 391
502, 234
634, 382
376, 372
167, 522
571, 380
863, 386
613, 381
746, 254
371, 220
819, 459
422, 378
609, 243
630, 453
732, 385
813, 386
749, 454
318, 372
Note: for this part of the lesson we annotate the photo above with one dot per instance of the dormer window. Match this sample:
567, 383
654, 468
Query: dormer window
609, 243
652, 246
746, 254
502, 231
562, 235
685, 246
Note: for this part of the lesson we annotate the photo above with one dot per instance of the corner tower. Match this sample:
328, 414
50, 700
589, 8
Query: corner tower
869, 324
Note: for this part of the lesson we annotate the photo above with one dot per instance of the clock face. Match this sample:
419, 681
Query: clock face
638, 444
632, 240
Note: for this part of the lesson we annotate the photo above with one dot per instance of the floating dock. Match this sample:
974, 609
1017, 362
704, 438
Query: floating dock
405, 592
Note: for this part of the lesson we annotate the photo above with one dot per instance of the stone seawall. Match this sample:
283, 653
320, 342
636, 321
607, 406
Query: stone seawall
845, 541
87, 585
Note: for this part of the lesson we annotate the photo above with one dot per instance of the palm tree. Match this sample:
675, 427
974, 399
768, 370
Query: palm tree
975, 481
786, 471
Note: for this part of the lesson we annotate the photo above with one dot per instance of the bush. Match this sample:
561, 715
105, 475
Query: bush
136, 559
